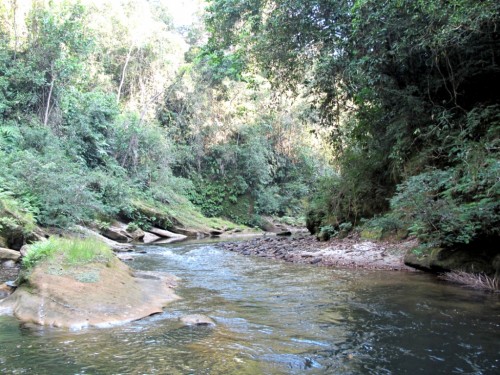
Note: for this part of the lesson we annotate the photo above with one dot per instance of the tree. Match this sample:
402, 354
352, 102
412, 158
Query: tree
397, 80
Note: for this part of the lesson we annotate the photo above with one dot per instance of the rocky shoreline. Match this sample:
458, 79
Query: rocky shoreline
349, 252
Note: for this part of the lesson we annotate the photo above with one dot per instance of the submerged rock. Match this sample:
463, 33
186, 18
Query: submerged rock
169, 240
197, 320
97, 294
125, 256
190, 232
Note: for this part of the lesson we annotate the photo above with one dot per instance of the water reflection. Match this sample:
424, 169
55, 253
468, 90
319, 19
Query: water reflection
276, 318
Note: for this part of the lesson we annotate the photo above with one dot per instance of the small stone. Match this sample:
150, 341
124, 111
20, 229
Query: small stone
124, 257
314, 261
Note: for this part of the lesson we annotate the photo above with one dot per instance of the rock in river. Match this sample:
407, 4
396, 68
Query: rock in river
197, 320
99, 294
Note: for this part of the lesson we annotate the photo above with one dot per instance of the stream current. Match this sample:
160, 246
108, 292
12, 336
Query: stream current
275, 318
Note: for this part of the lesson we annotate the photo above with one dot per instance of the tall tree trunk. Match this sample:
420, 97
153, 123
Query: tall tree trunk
124, 70
49, 98
14, 14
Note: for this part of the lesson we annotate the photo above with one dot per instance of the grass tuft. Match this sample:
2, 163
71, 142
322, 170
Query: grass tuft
474, 280
67, 251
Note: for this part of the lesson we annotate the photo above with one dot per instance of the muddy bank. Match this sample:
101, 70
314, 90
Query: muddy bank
350, 252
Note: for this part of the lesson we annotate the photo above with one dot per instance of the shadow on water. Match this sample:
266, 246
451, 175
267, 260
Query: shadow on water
276, 318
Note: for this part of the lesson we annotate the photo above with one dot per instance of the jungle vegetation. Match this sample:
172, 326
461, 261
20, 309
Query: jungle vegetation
356, 112
408, 91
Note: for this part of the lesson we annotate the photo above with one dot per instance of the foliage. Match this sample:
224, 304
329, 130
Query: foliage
132, 227
15, 214
57, 187
17, 220
78, 140
402, 85
257, 158
446, 209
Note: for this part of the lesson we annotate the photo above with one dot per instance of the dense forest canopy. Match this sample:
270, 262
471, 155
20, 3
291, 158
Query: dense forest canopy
108, 111
409, 91
384, 114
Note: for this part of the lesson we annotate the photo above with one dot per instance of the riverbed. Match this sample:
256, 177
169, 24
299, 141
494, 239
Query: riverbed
275, 317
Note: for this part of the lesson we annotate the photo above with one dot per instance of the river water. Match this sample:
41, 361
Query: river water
276, 318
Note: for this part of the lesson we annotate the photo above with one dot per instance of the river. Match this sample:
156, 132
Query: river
275, 318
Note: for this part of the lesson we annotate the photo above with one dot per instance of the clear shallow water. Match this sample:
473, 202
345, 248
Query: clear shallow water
276, 318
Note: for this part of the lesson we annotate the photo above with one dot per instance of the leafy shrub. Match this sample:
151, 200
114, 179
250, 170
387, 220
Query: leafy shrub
132, 227
17, 221
344, 229
88, 118
38, 252
451, 207
326, 232
388, 223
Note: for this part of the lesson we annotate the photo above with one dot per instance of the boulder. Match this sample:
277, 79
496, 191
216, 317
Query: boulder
197, 320
24, 250
372, 234
268, 226
150, 238
5, 290
116, 234
481, 260
9, 264
122, 229
136, 235
116, 246
166, 234
378, 234
190, 232
113, 295
8, 254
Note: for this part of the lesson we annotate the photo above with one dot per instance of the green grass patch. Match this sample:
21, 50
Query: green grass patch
67, 251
